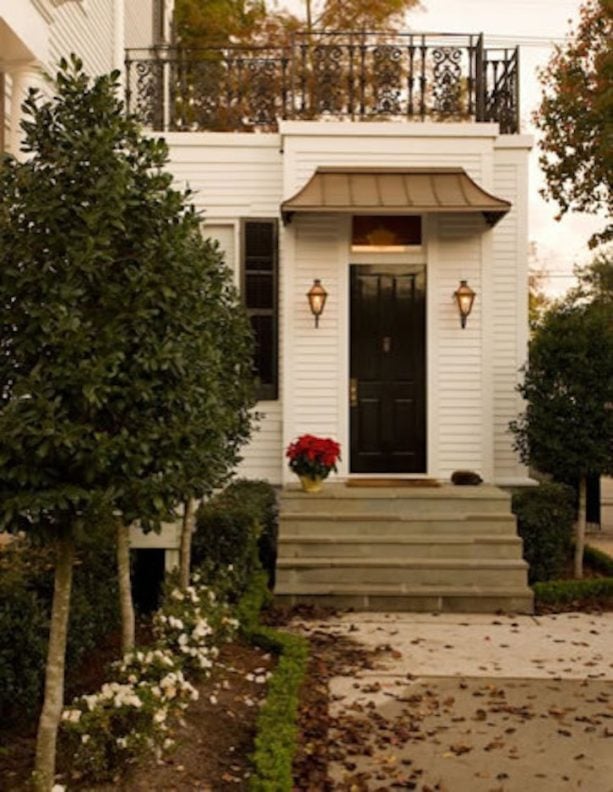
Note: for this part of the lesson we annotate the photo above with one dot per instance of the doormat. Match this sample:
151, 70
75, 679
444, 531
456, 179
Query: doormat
392, 482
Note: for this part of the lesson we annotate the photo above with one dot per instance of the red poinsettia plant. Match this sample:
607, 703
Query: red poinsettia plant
313, 456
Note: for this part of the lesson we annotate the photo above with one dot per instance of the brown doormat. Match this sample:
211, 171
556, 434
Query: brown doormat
392, 482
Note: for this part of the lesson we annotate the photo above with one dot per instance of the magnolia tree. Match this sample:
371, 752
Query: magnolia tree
125, 357
567, 426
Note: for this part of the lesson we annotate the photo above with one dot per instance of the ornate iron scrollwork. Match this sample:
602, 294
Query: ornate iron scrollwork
447, 80
261, 92
387, 78
328, 85
149, 92
333, 74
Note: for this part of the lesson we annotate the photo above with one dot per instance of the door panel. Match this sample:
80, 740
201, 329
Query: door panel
388, 418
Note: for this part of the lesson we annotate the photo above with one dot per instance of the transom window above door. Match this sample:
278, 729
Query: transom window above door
385, 233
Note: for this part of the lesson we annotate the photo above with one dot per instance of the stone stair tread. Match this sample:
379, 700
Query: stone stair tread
337, 491
389, 517
428, 563
408, 539
402, 589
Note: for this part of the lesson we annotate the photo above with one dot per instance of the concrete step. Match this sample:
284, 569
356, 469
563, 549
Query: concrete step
432, 572
336, 498
410, 598
384, 524
399, 546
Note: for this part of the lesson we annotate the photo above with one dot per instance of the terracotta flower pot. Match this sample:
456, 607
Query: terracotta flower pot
311, 484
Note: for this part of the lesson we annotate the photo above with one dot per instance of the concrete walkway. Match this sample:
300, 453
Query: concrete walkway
477, 703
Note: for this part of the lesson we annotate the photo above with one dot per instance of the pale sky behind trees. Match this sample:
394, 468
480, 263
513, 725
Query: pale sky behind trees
536, 25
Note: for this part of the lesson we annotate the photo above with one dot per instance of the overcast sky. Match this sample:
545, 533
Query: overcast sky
535, 25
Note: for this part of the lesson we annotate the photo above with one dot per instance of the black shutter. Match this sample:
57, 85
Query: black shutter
259, 287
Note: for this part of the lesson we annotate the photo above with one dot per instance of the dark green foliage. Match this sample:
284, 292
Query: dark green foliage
277, 732
545, 516
264, 499
567, 427
593, 592
26, 588
230, 528
125, 356
599, 561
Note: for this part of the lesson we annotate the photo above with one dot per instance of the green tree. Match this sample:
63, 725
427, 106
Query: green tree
567, 425
118, 400
575, 118
595, 280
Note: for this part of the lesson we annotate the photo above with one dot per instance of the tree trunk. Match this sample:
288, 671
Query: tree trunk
580, 534
187, 529
48, 724
126, 605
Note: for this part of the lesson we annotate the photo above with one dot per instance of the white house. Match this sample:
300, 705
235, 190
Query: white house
374, 165
35, 34
389, 170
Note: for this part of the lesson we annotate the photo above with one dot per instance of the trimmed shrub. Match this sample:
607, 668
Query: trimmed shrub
564, 594
276, 739
598, 561
232, 529
545, 518
26, 589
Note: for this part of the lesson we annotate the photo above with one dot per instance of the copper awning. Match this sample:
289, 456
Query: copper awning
357, 190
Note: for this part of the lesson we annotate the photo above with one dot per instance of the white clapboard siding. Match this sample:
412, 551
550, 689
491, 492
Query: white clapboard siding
471, 371
509, 282
231, 175
457, 355
315, 361
263, 456
84, 28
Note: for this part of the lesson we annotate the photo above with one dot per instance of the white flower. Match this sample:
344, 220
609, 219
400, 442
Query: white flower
160, 716
85, 739
58, 788
91, 701
168, 743
176, 594
122, 742
213, 699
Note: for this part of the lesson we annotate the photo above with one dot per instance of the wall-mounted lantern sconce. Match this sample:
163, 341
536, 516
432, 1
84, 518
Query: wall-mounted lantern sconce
465, 298
317, 296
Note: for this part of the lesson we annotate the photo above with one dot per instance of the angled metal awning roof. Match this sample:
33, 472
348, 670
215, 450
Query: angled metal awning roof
358, 190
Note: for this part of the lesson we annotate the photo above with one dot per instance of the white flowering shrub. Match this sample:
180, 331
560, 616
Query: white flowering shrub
129, 715
120, 721
192, 623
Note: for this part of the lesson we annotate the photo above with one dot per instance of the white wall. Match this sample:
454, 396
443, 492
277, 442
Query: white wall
236, 176
470, 396
36, 34
471, 372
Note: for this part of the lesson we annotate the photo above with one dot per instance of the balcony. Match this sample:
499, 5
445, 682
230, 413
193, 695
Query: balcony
358, 76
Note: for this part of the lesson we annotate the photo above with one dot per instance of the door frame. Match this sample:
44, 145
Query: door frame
389, 261
425, 255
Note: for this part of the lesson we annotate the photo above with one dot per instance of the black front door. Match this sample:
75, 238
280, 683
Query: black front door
388, 369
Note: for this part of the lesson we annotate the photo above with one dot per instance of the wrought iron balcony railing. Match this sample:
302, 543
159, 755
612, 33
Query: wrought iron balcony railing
360, 76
